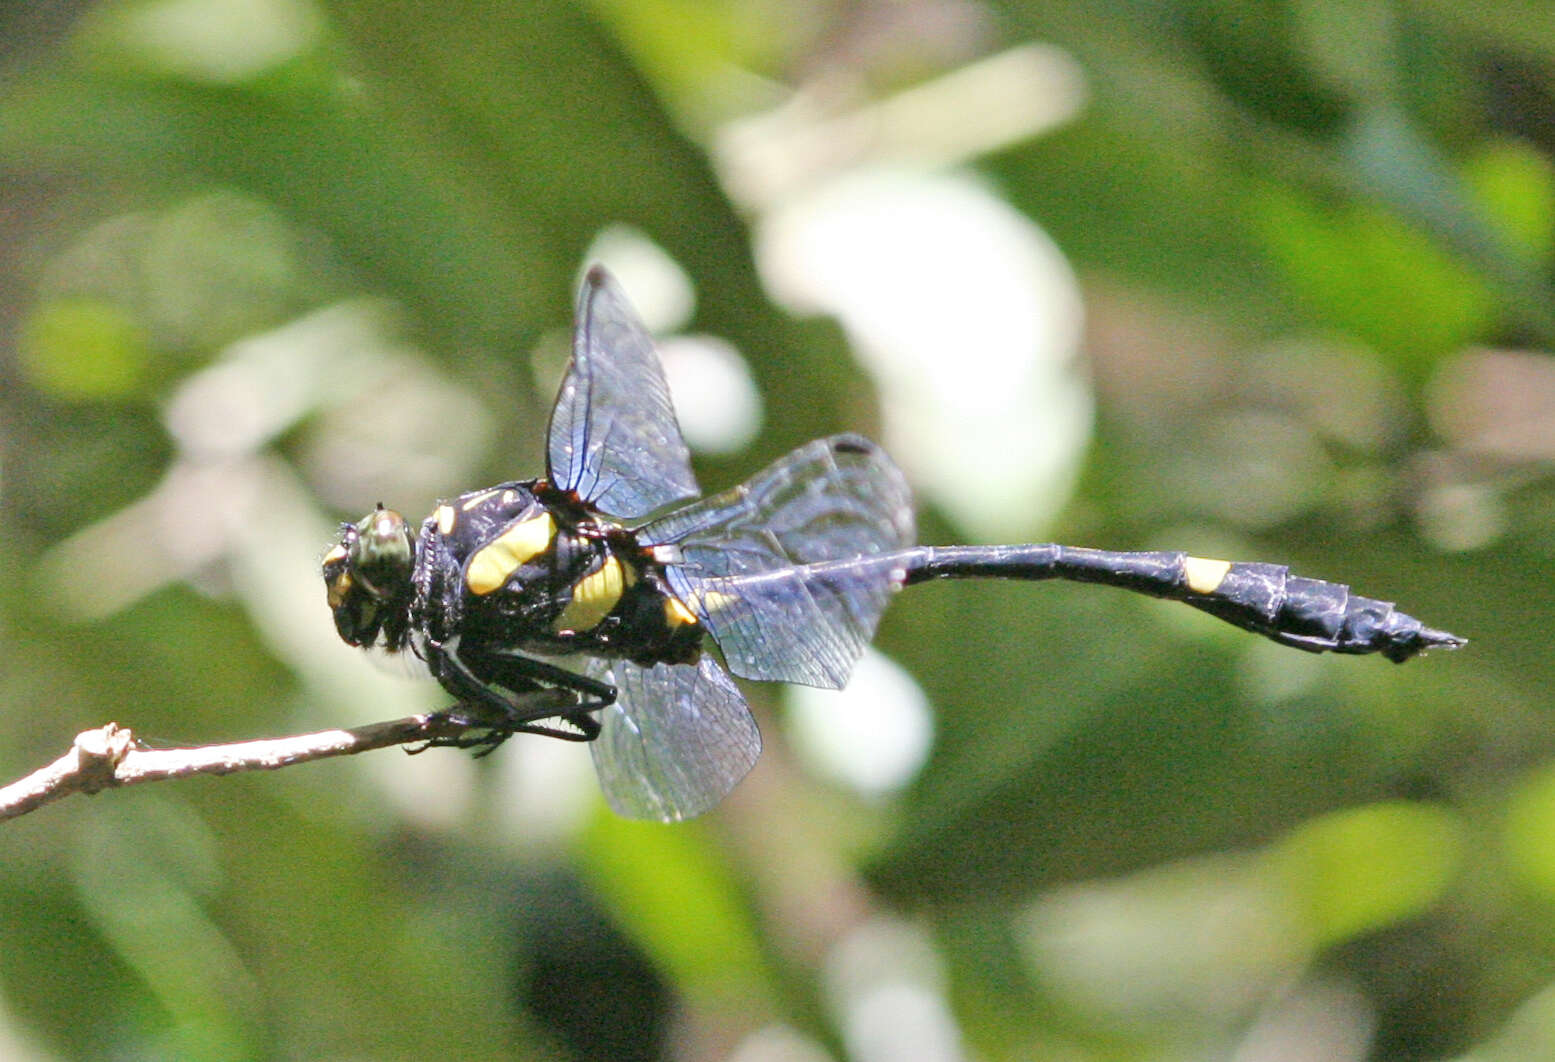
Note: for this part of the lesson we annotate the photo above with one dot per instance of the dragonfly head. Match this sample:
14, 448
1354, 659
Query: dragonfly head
367, 575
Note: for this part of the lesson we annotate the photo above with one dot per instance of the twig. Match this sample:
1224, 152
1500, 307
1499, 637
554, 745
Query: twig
110, 757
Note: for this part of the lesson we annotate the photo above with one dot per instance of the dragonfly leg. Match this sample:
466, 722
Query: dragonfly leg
502, 693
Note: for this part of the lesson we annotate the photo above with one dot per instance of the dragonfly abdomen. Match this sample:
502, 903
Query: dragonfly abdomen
1309, 614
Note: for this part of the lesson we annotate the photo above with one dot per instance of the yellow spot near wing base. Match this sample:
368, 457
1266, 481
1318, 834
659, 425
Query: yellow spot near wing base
594, 596
713, 600
677, 614
494, 562
338, 589
1204, 576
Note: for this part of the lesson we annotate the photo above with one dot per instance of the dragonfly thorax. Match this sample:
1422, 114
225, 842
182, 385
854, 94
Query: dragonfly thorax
521, 567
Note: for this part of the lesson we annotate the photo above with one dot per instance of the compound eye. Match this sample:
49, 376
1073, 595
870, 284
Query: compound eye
380, 550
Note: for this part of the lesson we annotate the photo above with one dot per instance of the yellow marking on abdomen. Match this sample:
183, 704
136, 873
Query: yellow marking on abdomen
494, 562
1204, 576
676, 614
594, 596
446, 519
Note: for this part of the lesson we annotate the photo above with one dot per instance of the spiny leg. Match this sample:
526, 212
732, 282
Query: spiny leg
502, 693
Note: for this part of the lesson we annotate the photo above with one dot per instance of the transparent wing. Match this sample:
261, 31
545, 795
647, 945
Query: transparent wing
791, 570
613, 437
675, 742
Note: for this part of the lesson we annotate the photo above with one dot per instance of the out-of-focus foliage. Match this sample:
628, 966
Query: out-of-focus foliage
268, 262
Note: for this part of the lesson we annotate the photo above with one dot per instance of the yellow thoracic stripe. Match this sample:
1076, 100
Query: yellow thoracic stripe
494, 562
1203, 575
340, 586
476, 499
446, 519
594, 596
338, 589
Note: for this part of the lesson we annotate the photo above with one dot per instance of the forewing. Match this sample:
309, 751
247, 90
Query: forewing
791, 570
677, 739
613, 437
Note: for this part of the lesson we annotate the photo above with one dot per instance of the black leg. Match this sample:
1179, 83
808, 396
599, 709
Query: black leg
484, 734
502, 693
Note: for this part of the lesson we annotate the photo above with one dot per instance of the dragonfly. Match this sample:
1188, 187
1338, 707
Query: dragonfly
581, 605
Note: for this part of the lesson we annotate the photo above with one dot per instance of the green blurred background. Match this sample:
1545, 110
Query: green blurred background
267, 262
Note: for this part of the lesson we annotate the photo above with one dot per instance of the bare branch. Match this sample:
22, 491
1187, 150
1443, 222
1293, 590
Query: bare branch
110, 756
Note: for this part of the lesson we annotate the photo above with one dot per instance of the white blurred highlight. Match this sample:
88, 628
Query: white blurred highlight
770, 159
778, 1043
217, 41
872, 736
545, 791
1312, 1022
885, 984
659, 289
968, 317
17, 1043
264, 384
1196, 944
716, 401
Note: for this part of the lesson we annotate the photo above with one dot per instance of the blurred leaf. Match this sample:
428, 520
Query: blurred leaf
83, 348
688, 48
1365, 868
1404, 168
211, 41
1528, 834
1349, 44
146, 874
674, 895
1252, 51
990, 984
1516, 186
1371, 274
